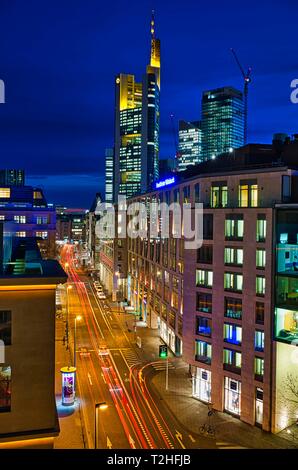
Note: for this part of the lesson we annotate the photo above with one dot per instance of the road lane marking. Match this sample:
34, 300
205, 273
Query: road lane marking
178, 436
89, 378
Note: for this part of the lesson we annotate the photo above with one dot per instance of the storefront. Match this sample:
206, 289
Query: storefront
201, 385
232, 396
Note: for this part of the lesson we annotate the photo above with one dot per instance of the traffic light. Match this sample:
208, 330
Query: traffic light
163, 351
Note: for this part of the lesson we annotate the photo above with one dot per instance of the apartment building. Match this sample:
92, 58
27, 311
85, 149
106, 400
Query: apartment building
217, 306
27, 209
28, 415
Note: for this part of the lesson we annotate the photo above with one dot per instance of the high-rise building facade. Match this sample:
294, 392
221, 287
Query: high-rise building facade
190, 144
222, 121
109, 171
12, 177
137, 127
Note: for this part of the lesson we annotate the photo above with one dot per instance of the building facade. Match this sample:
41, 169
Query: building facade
31, 215
9, 177
222, 121
71, 225
137, 127
229, 307
28, 415
190, 144
109, 172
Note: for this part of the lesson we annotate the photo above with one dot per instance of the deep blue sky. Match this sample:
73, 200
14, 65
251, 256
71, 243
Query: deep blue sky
59, 59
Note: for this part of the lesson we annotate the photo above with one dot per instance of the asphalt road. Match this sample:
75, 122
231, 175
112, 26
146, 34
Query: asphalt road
110, 370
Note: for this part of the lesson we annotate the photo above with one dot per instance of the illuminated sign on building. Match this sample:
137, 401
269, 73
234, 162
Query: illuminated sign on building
166, 182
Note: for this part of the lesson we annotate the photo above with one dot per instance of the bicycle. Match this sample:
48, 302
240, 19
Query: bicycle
207, 429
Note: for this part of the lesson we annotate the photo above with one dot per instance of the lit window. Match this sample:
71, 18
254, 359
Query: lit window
20, 219
233, 256
37, 195
219, 195
232, 333
233, 281
5, 193
260, 258
259, 368
204, 278
260, 285
259, 340
248, 195
21, 234
5, 389
261, 228
5, 326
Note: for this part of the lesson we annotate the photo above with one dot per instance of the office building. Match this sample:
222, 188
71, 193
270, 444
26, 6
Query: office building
222, 121
190, 144
167, 166
12, 177
71, 224
28, 415
137, 127
26, 207
229, 307
109, 173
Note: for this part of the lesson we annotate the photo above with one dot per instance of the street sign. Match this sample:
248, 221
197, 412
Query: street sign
163, 351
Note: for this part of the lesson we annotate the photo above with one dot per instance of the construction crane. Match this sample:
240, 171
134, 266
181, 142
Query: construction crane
177, 154
247, 81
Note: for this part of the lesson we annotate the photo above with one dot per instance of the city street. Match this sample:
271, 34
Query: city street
110, 370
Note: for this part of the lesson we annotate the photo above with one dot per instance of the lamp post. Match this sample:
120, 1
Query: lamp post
98, 406
77, 318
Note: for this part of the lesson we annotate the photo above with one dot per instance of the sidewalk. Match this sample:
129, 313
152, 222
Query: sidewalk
192, 413
70, 417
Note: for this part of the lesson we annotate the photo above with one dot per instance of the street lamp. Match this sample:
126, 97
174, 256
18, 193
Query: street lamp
77, 318
98, 406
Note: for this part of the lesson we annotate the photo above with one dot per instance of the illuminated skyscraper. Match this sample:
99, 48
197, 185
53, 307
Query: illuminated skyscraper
137, 127
190, 144
109, 155
222, 121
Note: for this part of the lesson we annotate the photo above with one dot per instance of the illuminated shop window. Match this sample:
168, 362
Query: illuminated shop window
5, 389
5, 193
202, 384
232, 395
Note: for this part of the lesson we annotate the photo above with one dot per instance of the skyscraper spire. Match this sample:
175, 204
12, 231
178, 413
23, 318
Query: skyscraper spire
152, 26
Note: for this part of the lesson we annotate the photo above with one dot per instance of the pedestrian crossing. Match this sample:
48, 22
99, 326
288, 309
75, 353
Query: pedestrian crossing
228, 445
130, 357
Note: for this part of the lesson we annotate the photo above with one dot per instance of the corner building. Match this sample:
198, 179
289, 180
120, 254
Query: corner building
230, 307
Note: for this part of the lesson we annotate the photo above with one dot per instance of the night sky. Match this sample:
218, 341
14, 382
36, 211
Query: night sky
59, 59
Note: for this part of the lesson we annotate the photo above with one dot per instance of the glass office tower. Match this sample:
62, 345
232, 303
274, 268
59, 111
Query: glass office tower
222, 121
190, 144
137, 127
109, 156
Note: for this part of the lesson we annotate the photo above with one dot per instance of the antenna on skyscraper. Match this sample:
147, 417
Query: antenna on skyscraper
247, 81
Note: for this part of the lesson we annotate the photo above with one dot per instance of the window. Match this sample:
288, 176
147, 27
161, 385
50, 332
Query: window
232, 395
261, 228
232, 333
37, 195
233, 256
204, 326
5, 326
233, 308
260, 285
43, 235
286, 325
259, 340
21, 234
233, 281
186, 194
5, 193
2, 217
259, 368
197, 192
260, 310
261, 259
248, 194
203, 352
205, 254
202, 384
20, 219
232, 360
219, 195
5, 389
41, 220
204, 278
234, 227
207, 226
204, 302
